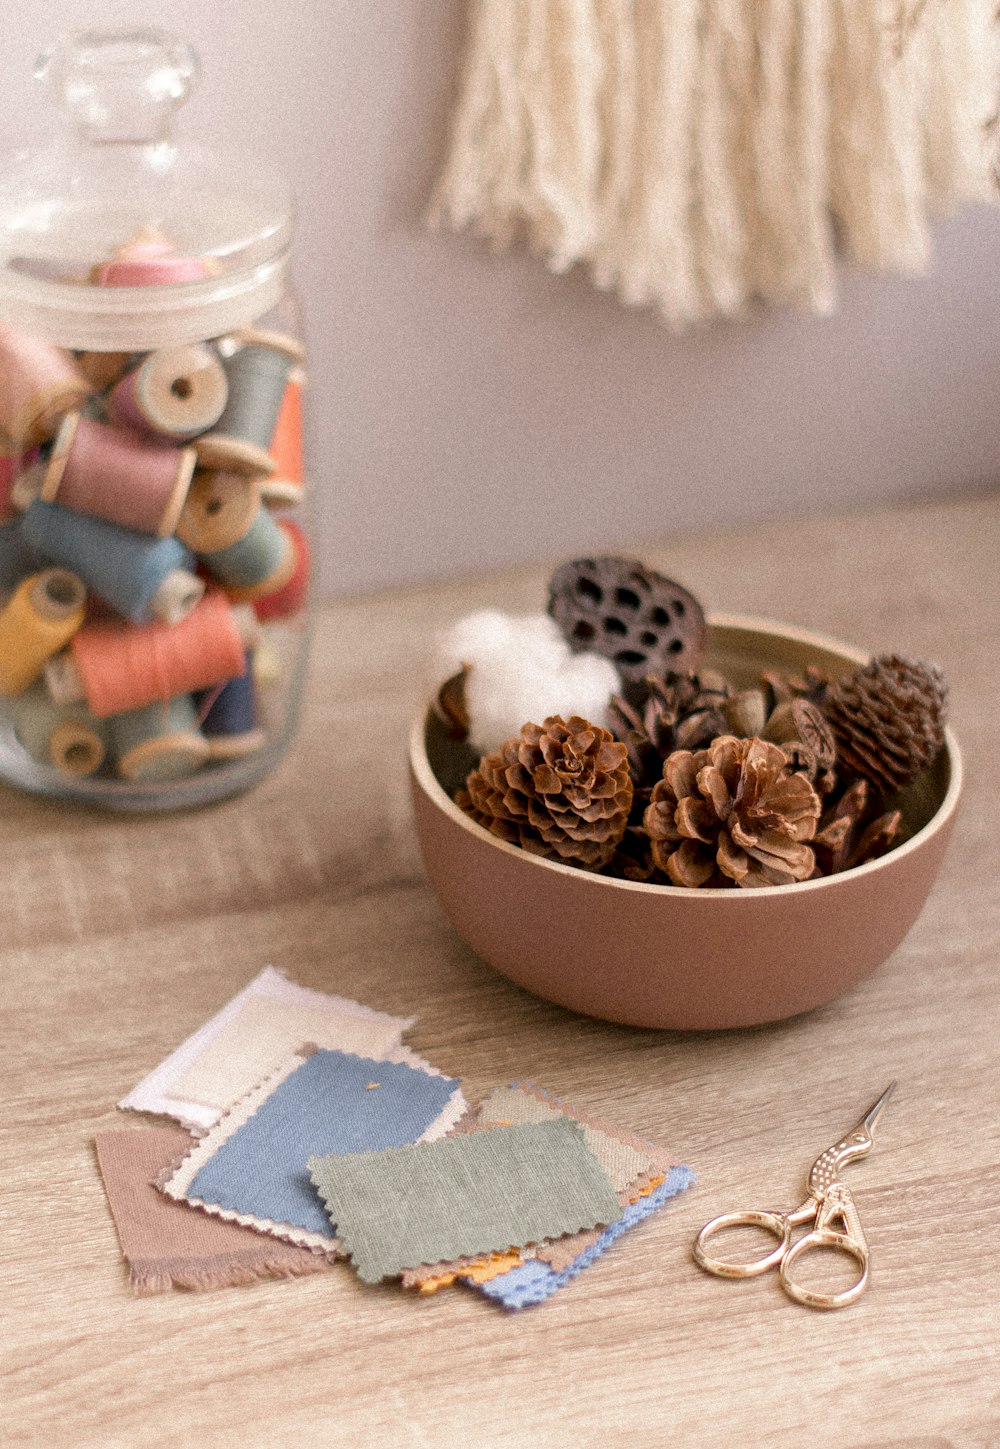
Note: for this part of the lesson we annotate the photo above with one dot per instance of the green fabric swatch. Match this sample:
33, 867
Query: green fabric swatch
475, 1193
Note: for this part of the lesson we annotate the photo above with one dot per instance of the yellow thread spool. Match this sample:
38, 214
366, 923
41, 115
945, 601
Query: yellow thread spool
40, 617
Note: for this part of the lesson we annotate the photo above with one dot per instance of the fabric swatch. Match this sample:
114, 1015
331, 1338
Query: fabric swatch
534, 1281
168, 1245
279, 1012
251, 1168
634, 1166
622, 1156
473, 1193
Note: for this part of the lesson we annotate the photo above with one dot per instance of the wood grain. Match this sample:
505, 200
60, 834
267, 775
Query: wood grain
120, 936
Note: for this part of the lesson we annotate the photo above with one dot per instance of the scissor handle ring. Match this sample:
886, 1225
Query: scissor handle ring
776, 1223
825, 1238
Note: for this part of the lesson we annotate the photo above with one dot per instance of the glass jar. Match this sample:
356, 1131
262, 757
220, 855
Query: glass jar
153, 564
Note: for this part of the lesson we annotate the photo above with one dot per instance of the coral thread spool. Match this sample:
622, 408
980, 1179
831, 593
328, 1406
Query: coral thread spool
69, 738
42, 615
139, 576
257, 374
177, 392
158, 742
117, 668
285, 489
289, 597
113, 474
38, 384
229, 718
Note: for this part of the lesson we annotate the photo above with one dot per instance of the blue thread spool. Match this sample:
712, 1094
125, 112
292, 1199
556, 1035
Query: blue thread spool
230, 721
67, 737
17, 557
158, 742
257, 375
139, 576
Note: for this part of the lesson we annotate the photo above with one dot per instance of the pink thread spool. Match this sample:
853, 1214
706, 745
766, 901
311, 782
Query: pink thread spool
149, 263
13, 463
175, 393
117, 668
38, 384
112, 473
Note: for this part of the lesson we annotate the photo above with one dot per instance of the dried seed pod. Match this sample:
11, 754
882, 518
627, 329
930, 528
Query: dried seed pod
801, 729
746, 713
644, 623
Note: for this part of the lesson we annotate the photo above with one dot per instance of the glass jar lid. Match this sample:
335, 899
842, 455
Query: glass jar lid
118, 237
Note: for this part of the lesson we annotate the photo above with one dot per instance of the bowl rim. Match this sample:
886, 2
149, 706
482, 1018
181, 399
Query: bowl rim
428, 782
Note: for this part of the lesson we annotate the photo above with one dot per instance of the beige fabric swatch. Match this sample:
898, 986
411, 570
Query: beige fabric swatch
262, 1035
622, 1157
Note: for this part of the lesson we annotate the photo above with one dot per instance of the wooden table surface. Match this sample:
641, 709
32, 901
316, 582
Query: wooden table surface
120, 936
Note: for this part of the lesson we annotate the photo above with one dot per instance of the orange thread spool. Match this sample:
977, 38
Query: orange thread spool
286, 487
123, 668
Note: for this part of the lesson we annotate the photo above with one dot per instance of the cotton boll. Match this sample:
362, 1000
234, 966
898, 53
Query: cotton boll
522, 669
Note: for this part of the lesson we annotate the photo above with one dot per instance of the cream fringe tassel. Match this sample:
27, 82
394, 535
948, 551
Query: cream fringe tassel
698, 155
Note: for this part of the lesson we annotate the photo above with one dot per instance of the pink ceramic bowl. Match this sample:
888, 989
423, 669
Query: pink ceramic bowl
662, 956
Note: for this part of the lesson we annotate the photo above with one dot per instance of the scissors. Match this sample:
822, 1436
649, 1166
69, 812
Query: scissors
829, 1202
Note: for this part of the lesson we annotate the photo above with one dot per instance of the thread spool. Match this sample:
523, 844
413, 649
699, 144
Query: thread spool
103, 369
17, 557
69, 738
289, 597
177, 392
219, 510
149, 262
41, 616
257, 374
139, 576
229, 718
260, 563
38, 384
158, 742
111, 473
285, 489
116, 668
14, 462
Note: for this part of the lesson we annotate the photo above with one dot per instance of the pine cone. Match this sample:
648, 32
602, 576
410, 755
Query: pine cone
888, 719
733, 812
657, 716
560, 790
852, 831
450, 707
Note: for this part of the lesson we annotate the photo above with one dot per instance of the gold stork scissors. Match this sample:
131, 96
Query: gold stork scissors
829, 1201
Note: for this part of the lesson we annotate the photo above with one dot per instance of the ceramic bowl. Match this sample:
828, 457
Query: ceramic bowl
663, 956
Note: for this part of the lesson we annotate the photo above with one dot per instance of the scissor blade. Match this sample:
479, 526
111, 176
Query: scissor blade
869, 1119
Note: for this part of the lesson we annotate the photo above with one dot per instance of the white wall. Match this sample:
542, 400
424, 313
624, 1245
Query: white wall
470, 412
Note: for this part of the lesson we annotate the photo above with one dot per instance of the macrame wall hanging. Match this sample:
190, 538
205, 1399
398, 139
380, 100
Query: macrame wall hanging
701, 155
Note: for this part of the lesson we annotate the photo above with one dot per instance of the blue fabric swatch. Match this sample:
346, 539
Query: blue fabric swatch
328, 1105
534, 1281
